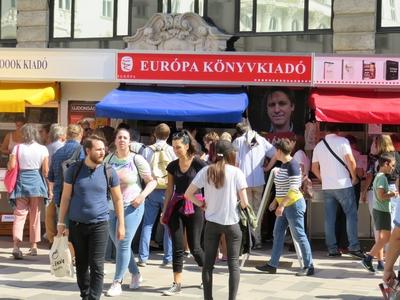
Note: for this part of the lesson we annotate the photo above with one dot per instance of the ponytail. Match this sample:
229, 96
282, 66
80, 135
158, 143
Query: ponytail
216, 171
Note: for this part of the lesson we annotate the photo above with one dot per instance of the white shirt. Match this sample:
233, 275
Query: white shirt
222, 203
30, 156
333, 174
302, 159
53, 147
148, 153
250, 159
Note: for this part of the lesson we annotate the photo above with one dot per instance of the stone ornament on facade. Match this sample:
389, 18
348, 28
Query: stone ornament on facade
186, 32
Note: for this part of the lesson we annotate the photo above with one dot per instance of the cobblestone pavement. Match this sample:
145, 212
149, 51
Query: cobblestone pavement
339, 278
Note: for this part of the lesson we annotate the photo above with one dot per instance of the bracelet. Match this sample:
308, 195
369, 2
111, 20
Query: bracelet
60, 224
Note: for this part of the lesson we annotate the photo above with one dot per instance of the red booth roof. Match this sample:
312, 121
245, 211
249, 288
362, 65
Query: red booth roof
367, 107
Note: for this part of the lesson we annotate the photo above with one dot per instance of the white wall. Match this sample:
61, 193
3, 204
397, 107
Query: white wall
82, 91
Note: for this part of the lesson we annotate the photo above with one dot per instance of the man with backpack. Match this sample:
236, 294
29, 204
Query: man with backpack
159, 155
72, 151
84, 210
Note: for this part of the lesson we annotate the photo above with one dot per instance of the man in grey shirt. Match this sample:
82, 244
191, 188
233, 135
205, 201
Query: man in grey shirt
57, 138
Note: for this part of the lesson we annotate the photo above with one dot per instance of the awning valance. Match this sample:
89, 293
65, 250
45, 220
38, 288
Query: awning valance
174, 104
367, 107
13, 96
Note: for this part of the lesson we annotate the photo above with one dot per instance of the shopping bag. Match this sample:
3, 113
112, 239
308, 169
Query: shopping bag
10, 179
60, 258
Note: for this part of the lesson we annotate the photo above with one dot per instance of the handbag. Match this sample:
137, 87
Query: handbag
60, 258
10, 179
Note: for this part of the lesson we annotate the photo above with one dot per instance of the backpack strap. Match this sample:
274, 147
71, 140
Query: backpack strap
78, 166
142, 183
77, 152
108, 174
141, 150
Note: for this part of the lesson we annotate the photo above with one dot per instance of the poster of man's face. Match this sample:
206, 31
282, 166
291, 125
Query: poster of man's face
280, 107
278, 111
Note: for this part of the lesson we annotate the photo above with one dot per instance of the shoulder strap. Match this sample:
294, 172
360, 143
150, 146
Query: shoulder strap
153, 147
78, 168
134, 162
336, 156
17, 154
108, 174
77, 152
141, 150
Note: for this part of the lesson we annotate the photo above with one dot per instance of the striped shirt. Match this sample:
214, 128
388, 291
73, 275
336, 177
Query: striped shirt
288, 178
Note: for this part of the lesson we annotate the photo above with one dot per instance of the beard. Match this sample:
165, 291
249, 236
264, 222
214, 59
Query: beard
96, 159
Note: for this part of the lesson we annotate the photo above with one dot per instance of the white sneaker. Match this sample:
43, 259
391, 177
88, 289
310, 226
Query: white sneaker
135, 281
115, 289
175, 289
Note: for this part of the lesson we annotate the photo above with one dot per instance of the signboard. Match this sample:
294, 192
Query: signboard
221, 68
57, 65
356, 71
80, 112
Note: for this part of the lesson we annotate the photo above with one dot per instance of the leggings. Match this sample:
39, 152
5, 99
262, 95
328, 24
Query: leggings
194, 225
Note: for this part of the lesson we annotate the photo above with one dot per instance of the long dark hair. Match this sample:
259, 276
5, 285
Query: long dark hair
187, 139
216, 171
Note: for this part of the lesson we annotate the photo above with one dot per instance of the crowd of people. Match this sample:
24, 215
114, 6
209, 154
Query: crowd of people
104, 185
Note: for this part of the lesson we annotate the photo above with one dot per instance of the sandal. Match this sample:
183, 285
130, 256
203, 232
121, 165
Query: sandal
33, 252
17, 254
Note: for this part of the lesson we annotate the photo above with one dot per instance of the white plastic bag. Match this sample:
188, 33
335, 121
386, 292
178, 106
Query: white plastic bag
60, 258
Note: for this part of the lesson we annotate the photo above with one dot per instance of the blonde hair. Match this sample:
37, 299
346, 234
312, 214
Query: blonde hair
211, 136
384, 144
226, 136
73, 131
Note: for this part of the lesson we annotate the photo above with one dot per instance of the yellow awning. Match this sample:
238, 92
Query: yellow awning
13, 96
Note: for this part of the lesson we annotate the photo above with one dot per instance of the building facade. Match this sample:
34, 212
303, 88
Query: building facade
328, 26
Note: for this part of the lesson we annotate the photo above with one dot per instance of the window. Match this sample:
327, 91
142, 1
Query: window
107, 8
284, 15
8, 13
389, 12
182, 6
79, 19
64, 4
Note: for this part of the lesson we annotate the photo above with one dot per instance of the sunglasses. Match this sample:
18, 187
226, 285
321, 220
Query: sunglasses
181, 135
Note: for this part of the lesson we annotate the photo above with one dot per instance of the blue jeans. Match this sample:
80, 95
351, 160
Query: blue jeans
124, 256
293, 216
153, 204
345, 198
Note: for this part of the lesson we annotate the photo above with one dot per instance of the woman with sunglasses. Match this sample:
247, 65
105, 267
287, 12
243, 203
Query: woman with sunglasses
178, 213
222, 183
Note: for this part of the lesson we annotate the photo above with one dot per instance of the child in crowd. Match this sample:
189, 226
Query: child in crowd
381, 210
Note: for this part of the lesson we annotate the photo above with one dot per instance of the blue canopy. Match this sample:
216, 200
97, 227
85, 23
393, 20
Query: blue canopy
173, 104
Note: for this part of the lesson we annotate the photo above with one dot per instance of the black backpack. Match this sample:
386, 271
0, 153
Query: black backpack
107, 168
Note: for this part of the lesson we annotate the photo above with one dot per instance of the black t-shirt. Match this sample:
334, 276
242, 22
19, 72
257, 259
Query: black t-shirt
183, 180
